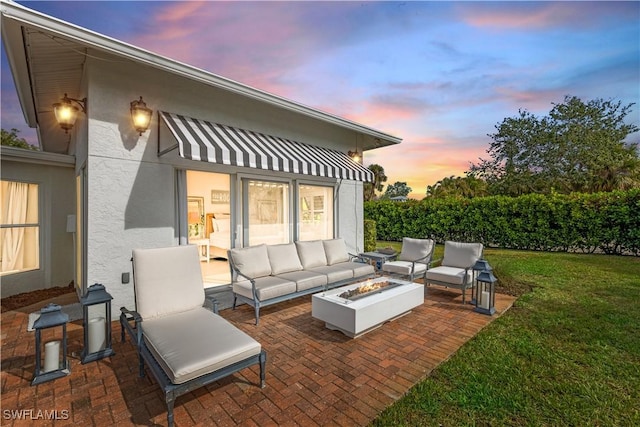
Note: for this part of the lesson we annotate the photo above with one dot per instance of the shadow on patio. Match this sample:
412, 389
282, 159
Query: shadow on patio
315, 376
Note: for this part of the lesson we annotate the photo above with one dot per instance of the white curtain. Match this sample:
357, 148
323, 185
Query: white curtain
15, 201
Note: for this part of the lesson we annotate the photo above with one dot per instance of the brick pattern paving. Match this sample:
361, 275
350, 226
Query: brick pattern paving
315, 376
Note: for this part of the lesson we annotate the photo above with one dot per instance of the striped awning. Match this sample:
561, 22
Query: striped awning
216, 143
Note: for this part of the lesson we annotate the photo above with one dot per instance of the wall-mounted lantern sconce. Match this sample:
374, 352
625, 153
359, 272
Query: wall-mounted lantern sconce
141, 115
355, 156
67, 113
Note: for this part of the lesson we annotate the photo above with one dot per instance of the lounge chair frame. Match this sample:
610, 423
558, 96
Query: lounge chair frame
130, 321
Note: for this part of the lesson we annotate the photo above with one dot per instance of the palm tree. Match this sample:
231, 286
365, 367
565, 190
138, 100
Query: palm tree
379, 178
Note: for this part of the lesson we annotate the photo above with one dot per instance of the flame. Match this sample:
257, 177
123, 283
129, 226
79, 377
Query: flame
365, 288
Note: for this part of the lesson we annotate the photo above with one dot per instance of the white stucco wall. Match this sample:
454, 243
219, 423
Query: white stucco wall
350, 215
56, 185
132, 192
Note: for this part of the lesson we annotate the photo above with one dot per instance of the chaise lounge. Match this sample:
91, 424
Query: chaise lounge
184, 344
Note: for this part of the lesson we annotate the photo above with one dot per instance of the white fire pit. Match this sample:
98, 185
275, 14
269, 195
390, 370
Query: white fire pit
355, 313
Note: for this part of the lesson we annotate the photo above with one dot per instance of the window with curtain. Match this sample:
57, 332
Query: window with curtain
315, 212
267, 210
19, 227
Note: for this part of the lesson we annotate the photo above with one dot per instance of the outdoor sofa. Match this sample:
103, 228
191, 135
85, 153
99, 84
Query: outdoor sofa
178, 334
267, 274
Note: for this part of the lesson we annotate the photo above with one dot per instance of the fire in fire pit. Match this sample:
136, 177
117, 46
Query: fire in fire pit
367, 289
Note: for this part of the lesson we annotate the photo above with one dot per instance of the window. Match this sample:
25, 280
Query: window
267, 212
19, 227
315, 212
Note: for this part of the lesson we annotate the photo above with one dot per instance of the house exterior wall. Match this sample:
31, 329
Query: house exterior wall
131, 201
56, 184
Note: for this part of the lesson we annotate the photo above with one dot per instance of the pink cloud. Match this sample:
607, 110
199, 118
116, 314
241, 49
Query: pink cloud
539, 15
531, 100
254, 43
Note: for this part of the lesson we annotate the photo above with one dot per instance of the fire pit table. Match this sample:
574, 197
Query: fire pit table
360, 307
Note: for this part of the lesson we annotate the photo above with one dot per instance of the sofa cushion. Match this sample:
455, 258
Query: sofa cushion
283, 258
252, 261
336, 251
359, 268
168, 337
305, 279
266, 287
335, 273
414, 249
461, 255
311, 254
452, 275
167, 280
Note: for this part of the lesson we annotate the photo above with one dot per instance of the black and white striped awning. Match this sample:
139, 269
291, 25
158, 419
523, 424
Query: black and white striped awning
216, 143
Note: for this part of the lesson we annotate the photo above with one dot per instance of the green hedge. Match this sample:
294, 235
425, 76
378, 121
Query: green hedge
600, 222
370, 236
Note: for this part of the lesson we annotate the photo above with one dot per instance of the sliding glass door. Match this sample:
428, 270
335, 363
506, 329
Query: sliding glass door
267, 214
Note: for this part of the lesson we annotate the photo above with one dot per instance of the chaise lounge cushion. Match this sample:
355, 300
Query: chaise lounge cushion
164, 298
335, 251
311, 254
252, 261
185, 356
283, 258
266, 287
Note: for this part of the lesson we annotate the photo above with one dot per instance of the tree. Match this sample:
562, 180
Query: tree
379, 178
11, 139
458, 186
577, 147
397, 189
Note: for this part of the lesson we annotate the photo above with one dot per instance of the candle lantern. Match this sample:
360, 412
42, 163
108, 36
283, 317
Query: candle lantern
486, 293
96, 321
479, 266
55, 352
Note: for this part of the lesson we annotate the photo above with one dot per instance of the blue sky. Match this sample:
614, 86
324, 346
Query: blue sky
440, 75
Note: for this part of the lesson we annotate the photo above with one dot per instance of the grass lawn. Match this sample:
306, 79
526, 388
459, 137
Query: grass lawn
566, 354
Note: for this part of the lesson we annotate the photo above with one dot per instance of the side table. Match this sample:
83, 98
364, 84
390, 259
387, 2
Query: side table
379, 257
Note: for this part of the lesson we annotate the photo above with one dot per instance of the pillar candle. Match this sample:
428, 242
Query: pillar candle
51, 356
485, 300
97, 339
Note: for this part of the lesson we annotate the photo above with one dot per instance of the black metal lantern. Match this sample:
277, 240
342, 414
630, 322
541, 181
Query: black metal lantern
486, 293
140, 115
96, 322
56, 364
480, 265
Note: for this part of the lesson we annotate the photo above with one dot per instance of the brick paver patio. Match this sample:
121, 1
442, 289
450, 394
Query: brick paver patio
314, 376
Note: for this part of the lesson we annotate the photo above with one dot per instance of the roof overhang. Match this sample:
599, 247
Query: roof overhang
18, 22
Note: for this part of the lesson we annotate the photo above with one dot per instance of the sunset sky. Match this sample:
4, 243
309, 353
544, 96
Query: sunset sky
439, 75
